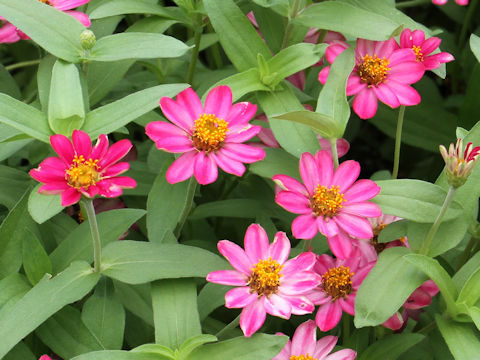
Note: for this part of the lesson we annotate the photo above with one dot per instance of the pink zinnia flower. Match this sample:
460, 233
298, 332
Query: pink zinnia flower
338, 289
209, 136
304, 346
330, 201
443, 2
9, 33
267, 282
84, 170
422, 48
382, 72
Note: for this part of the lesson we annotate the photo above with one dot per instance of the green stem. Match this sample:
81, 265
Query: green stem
196, 50
412, 3
466, 23
215, 50
192, 185
22, 64
289, 28
232, 325
307, 244
398, 142
466, 253
333, 143
97, 245
321, 36
433, 230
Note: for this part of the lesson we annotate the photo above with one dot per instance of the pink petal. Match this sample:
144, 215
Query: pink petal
430, 287
434, 61
418, 37
342, 147
407, 72
290, 184
236, 256
325, 167
430, 45
116, 152
302, 262
204, 168
190, 102
418, 299
324, 346
361, 274
227, 277
344, 354
293, 202
309, 172
365, 104
299, 283
348, 304
68, 4
63, 147
394, 322
169, 137
285, 353
304, 338
355, 85
54, 187
117, 169
340, 245
318, 297
406, 39
385, 48
81, 143
280, 248
365, 47
228, 165
277, 306
386, 95
243, 134
243, 153
406, 94
346, 174
327, 226
177, 114
182, 168
256, 243
297, 79
70, 196
323, 75
328, 315
335, 49
355, 226
113, 187
81, 17
252, 318
266, 136
239, 297
100, 148
403, 56
324, 263
364, 208
8, 33
240, 114
362, 190
300, 305
304, 227
219, 101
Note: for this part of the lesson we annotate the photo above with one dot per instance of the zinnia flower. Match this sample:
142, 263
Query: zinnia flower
338, 289
382, 72
209, 136
443, 2
330, 201
422, 48
9, 33
267, 282
84, 170
459, 162
304, 346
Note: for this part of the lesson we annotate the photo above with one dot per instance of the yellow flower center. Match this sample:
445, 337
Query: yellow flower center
302, 357
45, 2
418, 53
373, 70
82, 173
326, 201
265, 277
337, 282
209, 132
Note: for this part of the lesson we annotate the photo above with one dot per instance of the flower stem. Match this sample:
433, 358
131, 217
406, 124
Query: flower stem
466, 253
307, 244
466, 23
333, 143
196, 50
407, 4
289, 28
192, 185
232, 325
398, 142
97, 245
433, 230
22, 64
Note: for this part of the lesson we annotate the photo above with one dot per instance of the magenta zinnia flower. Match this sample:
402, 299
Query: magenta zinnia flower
9, 33
422, 48
84, 170
304, 346
338, 289
330, 201
443, 2
267, 282
382, 72
209, 136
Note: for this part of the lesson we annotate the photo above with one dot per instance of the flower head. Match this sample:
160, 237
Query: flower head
330, 201
459, 162
443, 2
382, 72
84, 170
209, 135
304, 346
338, 289
423, 49
267, 282
9, 33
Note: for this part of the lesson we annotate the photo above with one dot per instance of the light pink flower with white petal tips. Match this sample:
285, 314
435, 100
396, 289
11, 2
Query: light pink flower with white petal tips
267, 282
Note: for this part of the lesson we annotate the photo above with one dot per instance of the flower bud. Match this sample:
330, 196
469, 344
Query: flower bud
87, 39
459, 163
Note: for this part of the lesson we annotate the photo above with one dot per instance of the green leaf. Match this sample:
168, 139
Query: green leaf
257, 347
194, 342
462, 275
470, 292
415, 200
25, 118
348, 20
12, 288
113, 116
391, 347
475, 46
13, 183
393, 231
132, 45
175, 311
35, 259
474, 313
78, 244
277, 161
43, 207
386, 287
55, 31
323, 124
137, 299
460, 338
44, 78
8, 85
135, 262
211, 297
332, 100
66, 110
20, 352
67, 335
237, 35
161, 351
118, 355
44, 300
104, 316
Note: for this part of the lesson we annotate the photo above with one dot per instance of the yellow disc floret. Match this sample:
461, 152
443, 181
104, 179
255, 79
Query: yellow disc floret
337, 282
373, 70
265, 277
326, 201
209, 132
418, 53
82, 173
302, 357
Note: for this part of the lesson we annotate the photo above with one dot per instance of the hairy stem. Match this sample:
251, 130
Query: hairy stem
22, 64
398, 142
97, 245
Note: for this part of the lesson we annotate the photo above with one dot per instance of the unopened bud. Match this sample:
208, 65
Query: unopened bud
87, 39
459, 162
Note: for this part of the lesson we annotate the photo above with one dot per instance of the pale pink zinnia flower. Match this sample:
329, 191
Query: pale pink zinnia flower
9, 33
443, 2
338, 289
84, 170
267, 282
209, 136
382, 72
330, 201
304, 346
422, 48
